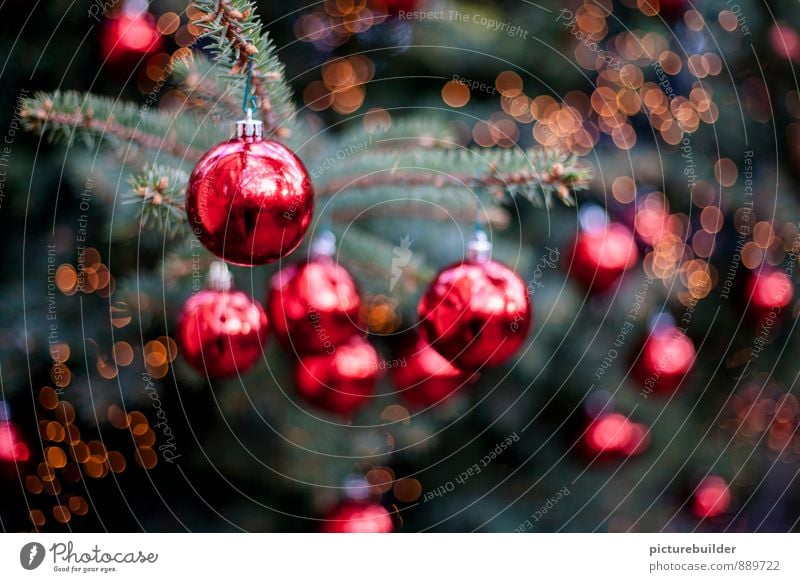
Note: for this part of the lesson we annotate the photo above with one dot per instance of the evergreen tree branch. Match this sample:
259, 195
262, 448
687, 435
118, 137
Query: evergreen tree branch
204, 89
240, 42
160, 191
68, 115
537, 174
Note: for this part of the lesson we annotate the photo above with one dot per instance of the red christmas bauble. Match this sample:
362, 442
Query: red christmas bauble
11, 446
615, 433
128, 37
250, 201
424, 378
599, 256
667, 356
358, 518
476, 313
222, 332
769, 292
340, 382
711, 498
313, 306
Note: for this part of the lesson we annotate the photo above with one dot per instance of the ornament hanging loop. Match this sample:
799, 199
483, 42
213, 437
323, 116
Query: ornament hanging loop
479, 249
249, 127
219, 277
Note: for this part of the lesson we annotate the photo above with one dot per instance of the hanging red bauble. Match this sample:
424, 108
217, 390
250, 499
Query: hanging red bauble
128, 37
340, 382
221, 332
666, 357
424, 378
313, 306
476, 313
250, 200
600, 255
769, 291
358, 518
711, 498
616, 434
11, 446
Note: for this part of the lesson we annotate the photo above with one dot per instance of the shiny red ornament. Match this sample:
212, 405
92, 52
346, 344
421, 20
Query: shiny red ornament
12, 448
222, 332
250, 200
667, 356
340, 382
313, 306
769, 291
711, 498
424, 378
616, 434
124, 40
358, 518
599, 256
476, 313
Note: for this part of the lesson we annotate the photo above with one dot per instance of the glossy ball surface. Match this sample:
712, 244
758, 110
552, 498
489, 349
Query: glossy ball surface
423, 376
599, 257
250, 201
667, 356
358, 518
340, 382
313, 306
221, 333
476, 314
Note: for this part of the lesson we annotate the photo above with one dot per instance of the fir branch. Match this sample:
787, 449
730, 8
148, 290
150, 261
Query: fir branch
537, 174
205, 90
239, 41
69, 115
160, 191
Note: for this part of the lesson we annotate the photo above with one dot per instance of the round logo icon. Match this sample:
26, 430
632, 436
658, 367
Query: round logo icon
31, 555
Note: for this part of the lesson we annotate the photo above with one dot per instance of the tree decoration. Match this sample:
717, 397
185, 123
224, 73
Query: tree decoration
424, 378
353, 517
477, 312
769, 292
222, 332
666, 357
314, 305
711, 498
126, 38
601, 253
250, 200
340, 382
615, 434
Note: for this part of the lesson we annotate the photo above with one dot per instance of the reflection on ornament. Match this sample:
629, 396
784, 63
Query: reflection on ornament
358, 518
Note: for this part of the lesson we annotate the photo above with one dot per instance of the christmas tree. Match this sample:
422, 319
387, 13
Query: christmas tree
379, 266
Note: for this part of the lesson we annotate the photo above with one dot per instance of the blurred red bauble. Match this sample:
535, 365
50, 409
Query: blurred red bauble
769, 291
666, 357
313, 306
340, 382
358, 518
599, 256
616, 434
124, 40
423, 377
222, 332
12, 448
250, 200
712, 497
476, 313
